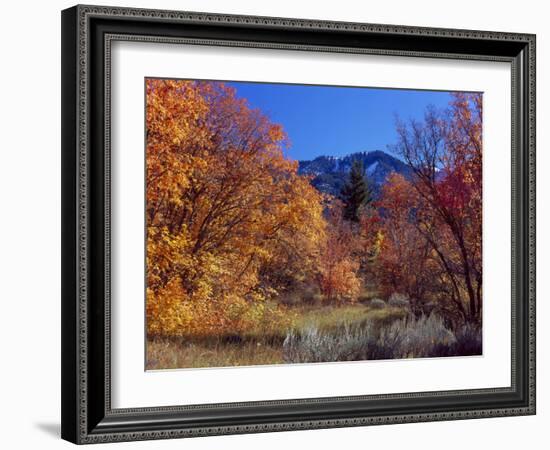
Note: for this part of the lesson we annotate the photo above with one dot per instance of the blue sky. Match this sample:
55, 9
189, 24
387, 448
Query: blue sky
325, 120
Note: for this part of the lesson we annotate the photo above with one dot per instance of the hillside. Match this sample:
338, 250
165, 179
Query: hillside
330, 172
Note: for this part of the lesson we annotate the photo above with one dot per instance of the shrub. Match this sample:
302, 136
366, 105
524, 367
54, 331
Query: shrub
290, 299
468, 341
339, 281
398, 300
377, 303
410, 338
426, 336
301, 296
311, 296
347, 343
430, 307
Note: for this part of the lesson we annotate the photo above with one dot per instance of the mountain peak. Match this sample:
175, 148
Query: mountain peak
330, 172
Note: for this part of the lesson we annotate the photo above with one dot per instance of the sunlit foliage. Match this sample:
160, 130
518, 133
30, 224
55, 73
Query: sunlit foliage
234, 233
433, 224
223, 203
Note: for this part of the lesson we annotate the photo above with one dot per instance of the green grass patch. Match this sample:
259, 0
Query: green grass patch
329, 317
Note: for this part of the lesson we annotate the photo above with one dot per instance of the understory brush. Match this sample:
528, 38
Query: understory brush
407, 337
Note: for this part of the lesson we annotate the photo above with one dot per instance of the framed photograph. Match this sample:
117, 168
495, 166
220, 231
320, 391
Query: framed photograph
282, 224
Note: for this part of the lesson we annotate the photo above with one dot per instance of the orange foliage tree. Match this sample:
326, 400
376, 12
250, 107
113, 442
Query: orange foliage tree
339, 265
223, 203
403, 262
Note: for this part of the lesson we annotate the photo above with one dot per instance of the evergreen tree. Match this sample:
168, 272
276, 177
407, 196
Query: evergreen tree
355, 193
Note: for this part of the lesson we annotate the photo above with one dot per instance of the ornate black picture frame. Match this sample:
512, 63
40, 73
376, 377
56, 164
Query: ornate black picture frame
87, 34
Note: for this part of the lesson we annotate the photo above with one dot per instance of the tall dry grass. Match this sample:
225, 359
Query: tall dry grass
408, 337
321, 334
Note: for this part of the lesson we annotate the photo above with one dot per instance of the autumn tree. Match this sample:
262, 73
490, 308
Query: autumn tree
355, 193
339, 278
404, 260
223, 203
444, 153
